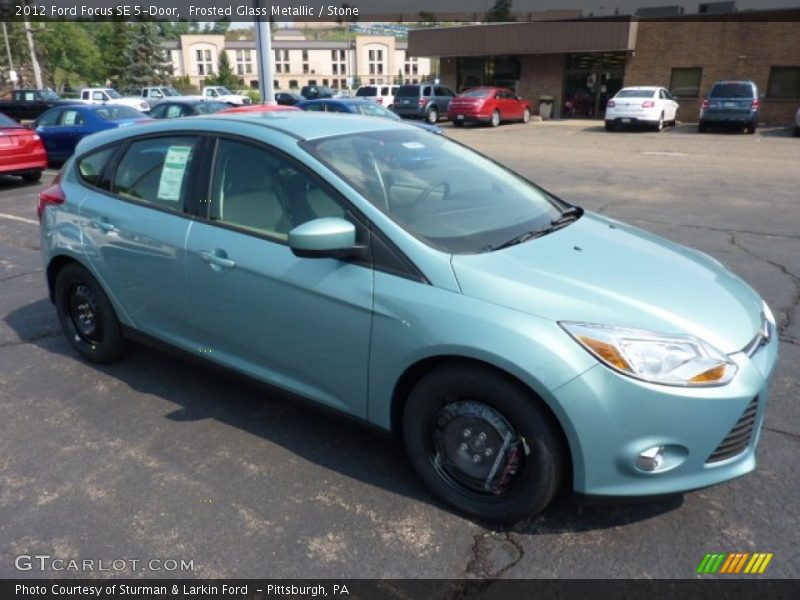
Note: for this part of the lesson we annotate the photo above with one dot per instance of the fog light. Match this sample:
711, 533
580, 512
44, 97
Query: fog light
651, 459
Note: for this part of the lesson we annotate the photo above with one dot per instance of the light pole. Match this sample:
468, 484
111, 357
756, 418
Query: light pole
10, 60
264, 54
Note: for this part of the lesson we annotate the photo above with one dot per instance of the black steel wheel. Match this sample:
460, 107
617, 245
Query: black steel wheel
483, 443
87, 316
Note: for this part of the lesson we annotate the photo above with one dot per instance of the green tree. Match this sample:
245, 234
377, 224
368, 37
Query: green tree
66, 49
225, 75
500, 12
428, 18
113, 38
147, 61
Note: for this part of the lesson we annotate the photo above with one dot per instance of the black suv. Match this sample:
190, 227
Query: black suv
423, 101
313, 92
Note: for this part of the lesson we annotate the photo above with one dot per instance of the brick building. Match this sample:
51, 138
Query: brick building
581, 63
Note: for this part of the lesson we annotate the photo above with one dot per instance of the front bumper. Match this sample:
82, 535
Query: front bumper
610, 419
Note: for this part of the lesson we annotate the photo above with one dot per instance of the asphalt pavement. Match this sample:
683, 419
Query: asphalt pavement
156, 457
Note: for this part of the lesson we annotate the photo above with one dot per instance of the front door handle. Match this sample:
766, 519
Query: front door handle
217, 259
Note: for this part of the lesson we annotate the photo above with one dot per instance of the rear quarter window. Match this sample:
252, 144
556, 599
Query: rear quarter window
91, 167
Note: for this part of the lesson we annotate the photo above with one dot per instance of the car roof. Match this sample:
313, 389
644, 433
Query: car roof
642, 87
300, 125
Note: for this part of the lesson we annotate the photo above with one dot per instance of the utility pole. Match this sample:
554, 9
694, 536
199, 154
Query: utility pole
37, 72
10, 60
264, 54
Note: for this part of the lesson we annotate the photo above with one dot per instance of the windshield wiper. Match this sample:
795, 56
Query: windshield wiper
569, 215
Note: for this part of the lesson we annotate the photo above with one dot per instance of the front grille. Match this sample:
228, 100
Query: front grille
739, 438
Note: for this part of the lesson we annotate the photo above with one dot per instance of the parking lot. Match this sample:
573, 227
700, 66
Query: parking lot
157, 457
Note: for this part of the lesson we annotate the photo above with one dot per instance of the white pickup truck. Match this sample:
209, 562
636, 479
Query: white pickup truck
220, 93
112, 96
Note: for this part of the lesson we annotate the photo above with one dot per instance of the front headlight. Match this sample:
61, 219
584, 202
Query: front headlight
658, 358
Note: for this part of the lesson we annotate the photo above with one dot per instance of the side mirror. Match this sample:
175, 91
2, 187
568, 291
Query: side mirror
329, 237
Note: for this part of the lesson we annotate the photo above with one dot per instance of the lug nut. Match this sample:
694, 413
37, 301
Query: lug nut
482, 436
466, 433
488, 452
476, 458
463, 447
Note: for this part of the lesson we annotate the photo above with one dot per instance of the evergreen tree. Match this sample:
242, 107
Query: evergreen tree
114, 39
148, 63
500, 12
225, 75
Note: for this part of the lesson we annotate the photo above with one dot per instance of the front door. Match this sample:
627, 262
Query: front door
302, 324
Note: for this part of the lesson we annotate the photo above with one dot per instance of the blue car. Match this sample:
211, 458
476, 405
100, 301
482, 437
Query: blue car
516, 343
62, 127
355, 106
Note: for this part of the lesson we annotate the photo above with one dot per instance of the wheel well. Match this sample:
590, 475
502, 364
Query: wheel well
418, 370
53, 269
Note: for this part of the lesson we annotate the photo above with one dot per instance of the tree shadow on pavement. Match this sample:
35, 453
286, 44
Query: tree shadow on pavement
203, 391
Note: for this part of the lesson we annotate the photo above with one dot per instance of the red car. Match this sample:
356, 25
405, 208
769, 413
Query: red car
491, 105
21, 151
256, 108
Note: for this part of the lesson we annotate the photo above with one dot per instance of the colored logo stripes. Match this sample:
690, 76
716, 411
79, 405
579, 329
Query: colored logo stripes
729, 563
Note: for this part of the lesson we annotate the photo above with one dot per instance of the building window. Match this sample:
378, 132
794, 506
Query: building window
685, 82
293, 84
784, 82
205, 63
305, 68
375, 62
305, 55
244, 62
312, 82
325, 82
281, 61
411, 66
343, 83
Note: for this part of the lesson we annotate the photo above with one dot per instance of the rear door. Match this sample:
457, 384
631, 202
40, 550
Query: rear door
299, 323
134, 221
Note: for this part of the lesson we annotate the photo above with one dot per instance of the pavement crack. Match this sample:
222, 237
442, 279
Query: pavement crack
783, 432
10, 277
492, 555
718, 229
795, 302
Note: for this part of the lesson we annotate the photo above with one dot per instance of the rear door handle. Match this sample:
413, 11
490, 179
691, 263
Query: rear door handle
217, 259
104, 224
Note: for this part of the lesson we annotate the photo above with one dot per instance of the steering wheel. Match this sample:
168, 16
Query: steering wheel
430, 189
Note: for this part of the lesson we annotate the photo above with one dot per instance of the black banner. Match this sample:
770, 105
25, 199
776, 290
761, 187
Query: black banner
430, 11
403, 589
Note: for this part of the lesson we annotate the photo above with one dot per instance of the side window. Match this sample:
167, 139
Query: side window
156, 171
98, 96
84, 95
174, 111
426, 91
90, 168
257, 190
71, 118
446, 92
30, 96
316, 107
157, 111
49, 118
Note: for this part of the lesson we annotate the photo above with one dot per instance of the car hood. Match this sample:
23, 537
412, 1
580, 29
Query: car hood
597, 270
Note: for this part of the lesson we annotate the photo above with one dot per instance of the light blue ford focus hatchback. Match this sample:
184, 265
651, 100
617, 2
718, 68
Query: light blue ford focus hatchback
515, 343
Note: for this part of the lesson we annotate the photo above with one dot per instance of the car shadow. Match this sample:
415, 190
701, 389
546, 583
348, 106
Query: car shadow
8, 182
326, 438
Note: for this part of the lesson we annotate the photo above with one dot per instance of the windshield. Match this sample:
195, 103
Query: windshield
207, 108
408, 91
49, 95
112, 93
170, 91
112, 112
223, 91
8, 122
480, 93
371, 109
732, 90
635, 94
445, 194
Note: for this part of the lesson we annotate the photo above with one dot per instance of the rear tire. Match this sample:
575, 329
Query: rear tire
494, 120
659, 126
32, 177
467, 427
87, 316
751, 127
702, 127
610, 126
526, 115
797, 132
457, 123
432, 116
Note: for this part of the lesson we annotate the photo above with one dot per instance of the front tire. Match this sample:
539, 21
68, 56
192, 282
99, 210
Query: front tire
457, 123
494, 120
87, 316
526, 115
483, 443
610, 126
659, 126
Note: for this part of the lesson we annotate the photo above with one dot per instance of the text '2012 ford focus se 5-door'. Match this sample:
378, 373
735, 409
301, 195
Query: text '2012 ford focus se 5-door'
515, 343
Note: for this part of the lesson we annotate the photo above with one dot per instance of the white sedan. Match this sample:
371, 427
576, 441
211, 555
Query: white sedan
645, 105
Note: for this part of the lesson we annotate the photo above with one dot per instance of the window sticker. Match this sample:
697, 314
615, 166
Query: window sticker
169, 188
